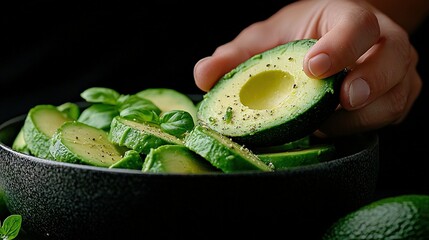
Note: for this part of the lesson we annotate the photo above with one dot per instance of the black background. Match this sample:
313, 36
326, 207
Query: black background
50, 51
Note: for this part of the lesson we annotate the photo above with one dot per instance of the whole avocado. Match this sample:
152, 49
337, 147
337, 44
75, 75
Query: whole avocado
398, 217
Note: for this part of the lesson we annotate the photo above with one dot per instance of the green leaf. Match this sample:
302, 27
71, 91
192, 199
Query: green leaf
176, 122
133, 101
11, 227
99, 115
100, 95
140, 115
71, 109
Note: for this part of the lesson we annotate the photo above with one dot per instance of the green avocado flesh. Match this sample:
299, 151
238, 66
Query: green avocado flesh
176, 159
131, 160
269, 100
77, 142
40, 124
222, 152
169, 99
298, 157
140, 137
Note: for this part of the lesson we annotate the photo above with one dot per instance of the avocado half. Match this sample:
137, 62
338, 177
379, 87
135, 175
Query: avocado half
269, 100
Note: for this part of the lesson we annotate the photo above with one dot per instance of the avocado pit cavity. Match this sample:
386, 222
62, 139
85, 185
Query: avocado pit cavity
269, 99
267, 89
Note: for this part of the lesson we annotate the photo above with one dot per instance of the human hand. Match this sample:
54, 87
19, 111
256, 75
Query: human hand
382, 83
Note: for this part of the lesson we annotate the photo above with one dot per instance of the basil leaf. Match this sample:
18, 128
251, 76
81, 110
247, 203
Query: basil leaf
123, 98
133, 101
99, 115
100, 95
140, 115
176, 122
11, 227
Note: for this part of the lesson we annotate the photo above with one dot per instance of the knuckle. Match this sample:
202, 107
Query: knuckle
403, 48
370, 21
414, 56
367, 18
398, 100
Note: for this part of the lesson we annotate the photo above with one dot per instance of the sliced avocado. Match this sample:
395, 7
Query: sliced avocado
176, 159
297, 144
222, 152
131, 160
299, 157
77, 142
269, 100
71, 109
19, 143
40, 124
169, 99
140, 137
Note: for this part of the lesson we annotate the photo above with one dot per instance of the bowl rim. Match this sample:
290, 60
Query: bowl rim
373, 136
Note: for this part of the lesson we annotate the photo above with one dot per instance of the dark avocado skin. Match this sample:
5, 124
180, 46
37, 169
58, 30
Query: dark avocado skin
301, 126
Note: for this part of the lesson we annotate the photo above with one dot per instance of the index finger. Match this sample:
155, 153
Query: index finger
252, 40
354, 31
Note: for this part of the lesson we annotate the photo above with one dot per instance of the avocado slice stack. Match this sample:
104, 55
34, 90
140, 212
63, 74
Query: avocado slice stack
258, 117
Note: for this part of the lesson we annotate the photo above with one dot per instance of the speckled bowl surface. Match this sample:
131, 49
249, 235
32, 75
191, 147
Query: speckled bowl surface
69, 201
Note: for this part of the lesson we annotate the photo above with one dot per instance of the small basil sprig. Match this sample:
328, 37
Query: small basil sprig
100, 95
99, 115
108, 103
11, 227
138, 109
135, 102
176, 122
140, 115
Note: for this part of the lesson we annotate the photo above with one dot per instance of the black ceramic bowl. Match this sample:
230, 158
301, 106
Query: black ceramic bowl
68, 201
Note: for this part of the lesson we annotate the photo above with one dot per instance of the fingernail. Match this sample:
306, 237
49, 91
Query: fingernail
319, 64
202, 60
196, 64
358, 92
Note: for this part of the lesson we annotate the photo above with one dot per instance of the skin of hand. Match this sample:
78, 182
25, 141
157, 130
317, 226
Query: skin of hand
382, 83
